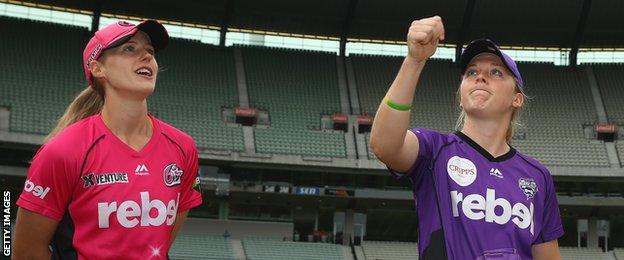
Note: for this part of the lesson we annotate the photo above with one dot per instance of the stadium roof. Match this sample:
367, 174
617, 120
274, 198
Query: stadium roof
528, 23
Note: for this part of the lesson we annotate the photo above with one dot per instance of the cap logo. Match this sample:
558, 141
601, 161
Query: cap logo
94, 53
124, 23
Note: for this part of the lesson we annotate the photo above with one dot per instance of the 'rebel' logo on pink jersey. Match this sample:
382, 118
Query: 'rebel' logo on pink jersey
129, 213
37, 190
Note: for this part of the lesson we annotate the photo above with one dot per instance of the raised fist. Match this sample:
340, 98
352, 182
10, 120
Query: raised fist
423, 37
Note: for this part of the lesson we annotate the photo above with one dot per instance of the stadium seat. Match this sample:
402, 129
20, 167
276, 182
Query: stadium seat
35, 91
296, 88
200, 246
381, 250
576, 253
610, 79
262, 248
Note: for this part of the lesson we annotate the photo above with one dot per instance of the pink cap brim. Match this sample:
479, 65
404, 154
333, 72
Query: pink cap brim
117, 34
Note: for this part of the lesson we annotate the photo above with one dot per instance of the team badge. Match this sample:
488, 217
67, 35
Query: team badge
528, 186
172, 175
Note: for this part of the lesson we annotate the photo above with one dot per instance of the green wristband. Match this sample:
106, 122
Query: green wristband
396, 106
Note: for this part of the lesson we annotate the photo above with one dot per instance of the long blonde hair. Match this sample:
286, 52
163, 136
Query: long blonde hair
514, 123
89, 102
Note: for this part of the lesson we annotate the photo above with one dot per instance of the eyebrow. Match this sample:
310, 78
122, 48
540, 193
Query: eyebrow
132, 41
493, 63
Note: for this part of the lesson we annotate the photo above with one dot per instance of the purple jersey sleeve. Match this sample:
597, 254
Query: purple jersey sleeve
552, 228
427, 140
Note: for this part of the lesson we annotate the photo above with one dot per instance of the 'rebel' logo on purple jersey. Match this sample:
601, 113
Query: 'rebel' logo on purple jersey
477, 207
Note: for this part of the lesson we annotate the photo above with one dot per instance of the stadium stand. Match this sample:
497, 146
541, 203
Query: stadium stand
610, 78
307, 83
435, 94
297, 88
371, 154
200, 246
196, 83
619, 253
550, 132
35, 91
576, 253
380, 250
561, 103
259, 248
620, 150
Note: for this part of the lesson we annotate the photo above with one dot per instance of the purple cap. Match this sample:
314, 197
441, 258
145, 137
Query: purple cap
479, 46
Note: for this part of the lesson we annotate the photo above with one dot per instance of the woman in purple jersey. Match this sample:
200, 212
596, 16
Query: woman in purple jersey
520, 219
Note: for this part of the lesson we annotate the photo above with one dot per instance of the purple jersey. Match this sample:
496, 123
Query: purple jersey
471, 205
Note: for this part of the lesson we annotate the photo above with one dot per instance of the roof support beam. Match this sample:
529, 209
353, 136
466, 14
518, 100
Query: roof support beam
463, 31
346, 26
97, 12
580, 30
225, 22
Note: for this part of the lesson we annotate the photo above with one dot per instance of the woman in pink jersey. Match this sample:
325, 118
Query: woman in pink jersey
111, 180
477, 197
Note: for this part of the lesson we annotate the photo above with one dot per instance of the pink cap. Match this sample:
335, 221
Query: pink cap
117, 34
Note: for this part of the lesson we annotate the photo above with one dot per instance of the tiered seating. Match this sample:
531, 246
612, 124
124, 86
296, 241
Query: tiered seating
434, 98
258, 248
575, 253
40, 71
619, 253
620, 150
610, 80
434, 101
379, 250
198, 81
200, 246
371, 154
297, 88
435, 93
553, 120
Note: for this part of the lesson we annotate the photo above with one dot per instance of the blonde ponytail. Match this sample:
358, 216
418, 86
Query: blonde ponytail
89, 102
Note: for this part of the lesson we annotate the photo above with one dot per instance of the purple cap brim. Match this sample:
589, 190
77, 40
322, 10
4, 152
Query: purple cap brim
479, 46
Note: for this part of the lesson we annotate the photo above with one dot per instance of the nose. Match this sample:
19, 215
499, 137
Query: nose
146, 55
480, 77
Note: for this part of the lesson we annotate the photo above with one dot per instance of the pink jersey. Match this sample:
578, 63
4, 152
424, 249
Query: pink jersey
111, 201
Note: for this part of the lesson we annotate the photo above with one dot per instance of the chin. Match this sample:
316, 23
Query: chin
476, 106
145, 89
